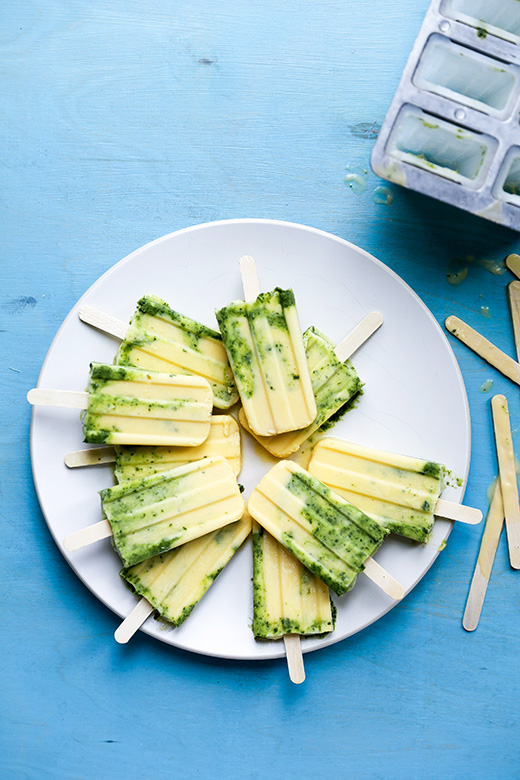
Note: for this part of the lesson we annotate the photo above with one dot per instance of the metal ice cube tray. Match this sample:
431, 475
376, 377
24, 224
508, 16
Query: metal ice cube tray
453, 128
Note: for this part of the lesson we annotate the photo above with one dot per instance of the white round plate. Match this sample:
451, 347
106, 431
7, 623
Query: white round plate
414, 402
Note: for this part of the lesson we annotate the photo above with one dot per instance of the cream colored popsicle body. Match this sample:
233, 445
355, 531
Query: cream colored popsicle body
136, 406
287, 597
328, 535
398, 492
154, 514
265, 348
164, 340
174, 582
333, 383
223, 439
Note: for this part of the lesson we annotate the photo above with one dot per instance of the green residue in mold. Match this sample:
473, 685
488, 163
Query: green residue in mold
486, 386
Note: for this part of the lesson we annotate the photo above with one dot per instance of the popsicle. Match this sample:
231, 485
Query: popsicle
332, 538
174, 582
161, 339
154, 514
135, 406
264, 343
400, 493
334, 382
132, 462
288, 600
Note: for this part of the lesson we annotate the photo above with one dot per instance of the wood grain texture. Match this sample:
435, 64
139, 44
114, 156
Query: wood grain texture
122, 122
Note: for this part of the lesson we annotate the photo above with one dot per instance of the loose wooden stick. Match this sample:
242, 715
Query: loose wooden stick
293, 651
513, 263
463, 514
249, 278
513, 292
65, 398
358, 336
484, 348
105, 322
383, 579
92, 457
142, 610
88, 535
507, 475
486, 556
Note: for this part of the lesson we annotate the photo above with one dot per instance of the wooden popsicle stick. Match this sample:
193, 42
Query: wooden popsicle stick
358, 336
507, 476
92, 457
293, 652
513, 263
486, 557
449, 510
383, 579
88, 535
142, 610
105, 322
513, 293
249, 278
494, 356
65, 398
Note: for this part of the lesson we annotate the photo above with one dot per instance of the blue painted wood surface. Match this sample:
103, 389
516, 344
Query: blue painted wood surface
123, 121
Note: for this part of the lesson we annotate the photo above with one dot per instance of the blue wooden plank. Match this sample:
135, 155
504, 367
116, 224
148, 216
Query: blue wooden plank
122, 122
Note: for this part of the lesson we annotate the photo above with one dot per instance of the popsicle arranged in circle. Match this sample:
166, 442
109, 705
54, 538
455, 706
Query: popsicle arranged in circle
399, 492
161, 339
132, 462
330, 536
288, 600
157, 513
334, 382
264, 343
135, 406
173, 583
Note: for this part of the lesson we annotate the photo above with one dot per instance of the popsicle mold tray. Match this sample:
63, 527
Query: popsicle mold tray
453, 128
